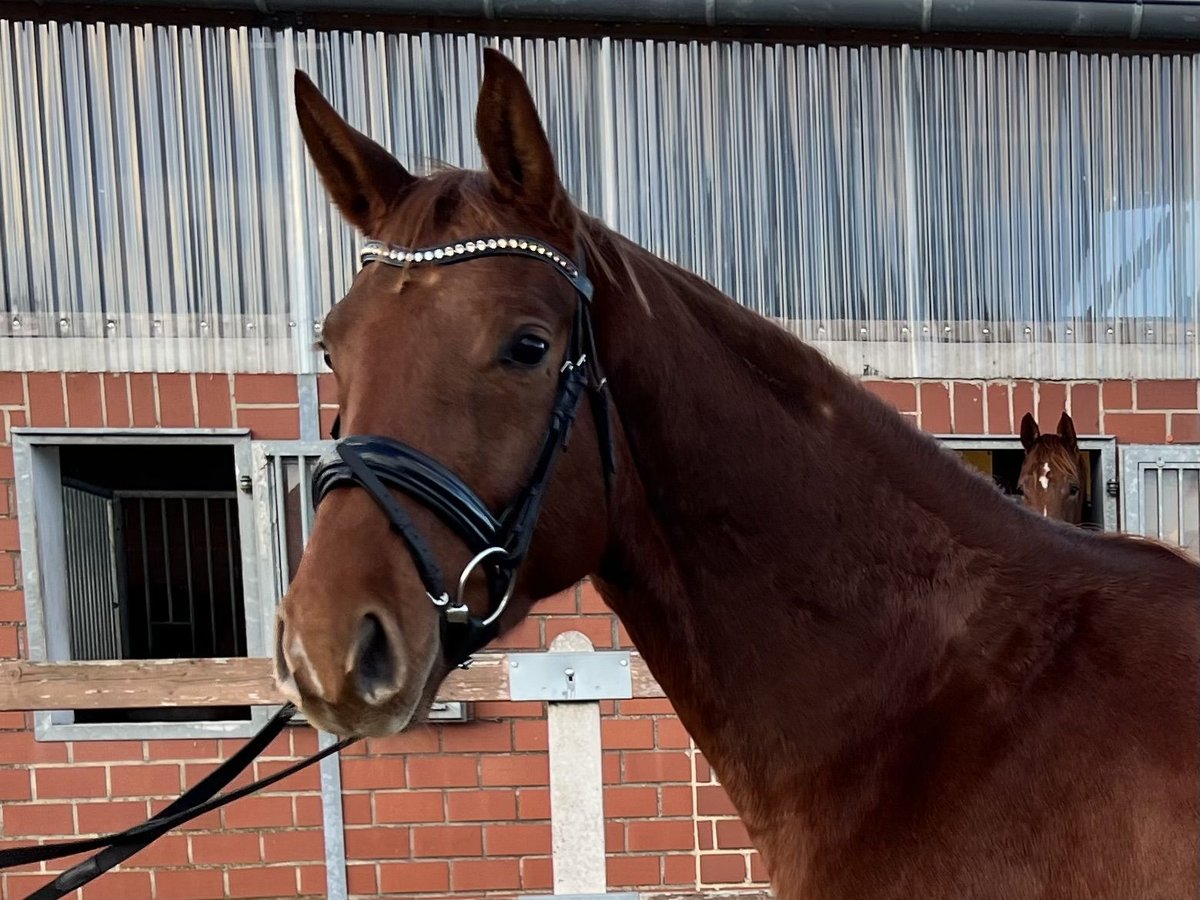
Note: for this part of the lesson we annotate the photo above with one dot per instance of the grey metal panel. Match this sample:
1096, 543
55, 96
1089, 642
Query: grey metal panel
1161, 493
911, 211
93, 594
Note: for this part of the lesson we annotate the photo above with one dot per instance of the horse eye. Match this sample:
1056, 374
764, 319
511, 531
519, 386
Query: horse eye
528, 350
329, 362
1073, 490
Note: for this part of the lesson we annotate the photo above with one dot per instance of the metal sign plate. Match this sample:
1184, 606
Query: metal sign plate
564, 677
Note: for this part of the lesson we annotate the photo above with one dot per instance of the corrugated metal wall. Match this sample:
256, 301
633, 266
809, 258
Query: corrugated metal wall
914, 211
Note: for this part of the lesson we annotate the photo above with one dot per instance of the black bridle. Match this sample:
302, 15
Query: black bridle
499, 544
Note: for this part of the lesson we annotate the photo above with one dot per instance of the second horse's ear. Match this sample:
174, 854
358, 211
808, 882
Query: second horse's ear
1029, 431
363, 179
1066, 431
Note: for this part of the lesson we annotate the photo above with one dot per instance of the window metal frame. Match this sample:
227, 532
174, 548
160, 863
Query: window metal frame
1137, 457
39, 511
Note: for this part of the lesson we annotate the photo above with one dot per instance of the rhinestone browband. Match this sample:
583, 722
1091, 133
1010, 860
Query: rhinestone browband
389, 254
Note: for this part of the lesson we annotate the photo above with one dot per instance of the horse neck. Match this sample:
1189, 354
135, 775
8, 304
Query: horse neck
787, 553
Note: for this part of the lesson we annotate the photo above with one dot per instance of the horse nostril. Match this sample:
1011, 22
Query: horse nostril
375, 665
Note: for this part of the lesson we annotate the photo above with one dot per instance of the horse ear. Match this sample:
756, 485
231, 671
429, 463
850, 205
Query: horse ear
1066, 431
1029, 431
511, 137
363, 179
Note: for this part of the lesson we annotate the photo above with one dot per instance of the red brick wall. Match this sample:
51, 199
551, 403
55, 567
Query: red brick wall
459, 810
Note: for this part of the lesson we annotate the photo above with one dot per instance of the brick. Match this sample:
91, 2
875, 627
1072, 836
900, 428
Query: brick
537, 873
653, 767
13, 720
722, 868
262, 882
327, 389
1137, 428
484, 874
516, 840
210, 821
1117, 395
390, 842
526, 635
193, 773
356, 809
13, 418
646, 708
901, 395
713, 801
8, 561
512, 709
12, 389
14, 784
614, 837
293, 846
447, 840
141, 399
307, 810
563, 603
10, 644
627, 734
266, 389
660, 835
1052, 400
633, 871
189, 884
705, 835
679, 870
328, 417
10, 539
517, 769
1022, 401
59, 784
478, 737
967, 408
118, 885
624, 641
610, 767
84, 409
421, 739
676, 800
214, 401
360, 880
1177, 394
362, 774
590, 600
669, 734
999, 421
20, 747
443, 771
758, 870
38, 818
110, 815
222, 849
305, 780
423, 878
259, 812
168, 850
115, 387
46, 407
183, 749
630, 802
1185, 428
108, 751
935, 407
481, 806
413, 806
533, 803
531, 735
270, 424
732, 834
161, 780
598, 629
1085, 407
175, 400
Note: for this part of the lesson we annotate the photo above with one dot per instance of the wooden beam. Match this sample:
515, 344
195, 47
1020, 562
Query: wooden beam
216, 682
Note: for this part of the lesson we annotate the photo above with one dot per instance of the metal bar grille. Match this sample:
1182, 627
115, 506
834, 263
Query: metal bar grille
1162, 495
1025, 212
93, 590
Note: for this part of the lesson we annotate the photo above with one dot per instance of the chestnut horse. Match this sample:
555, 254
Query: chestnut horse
910, 686
1051, 480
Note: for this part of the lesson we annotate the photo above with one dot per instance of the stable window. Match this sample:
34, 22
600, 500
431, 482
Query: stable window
1000, 459
135, 546
1162, 493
